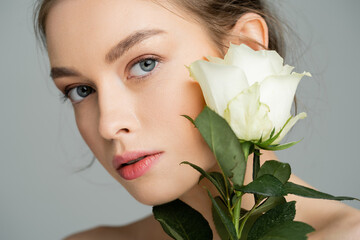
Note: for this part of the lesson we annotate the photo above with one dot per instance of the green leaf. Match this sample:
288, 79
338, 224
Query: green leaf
182, 222
281, 171
220, 227
280, 214
266, 185
292, 188
278, 147
223, 215
223, 143
290, 230
215, 179
272, 134
189, 118
272, 137
247, 147
268, 204
235, 199
224, 182
170, 231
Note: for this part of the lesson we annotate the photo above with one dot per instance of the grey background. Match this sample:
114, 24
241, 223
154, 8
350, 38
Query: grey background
41, 196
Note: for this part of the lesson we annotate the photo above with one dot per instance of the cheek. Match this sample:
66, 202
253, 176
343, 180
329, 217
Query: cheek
87, 122
182, 99
177, 93
182, 138
192, 99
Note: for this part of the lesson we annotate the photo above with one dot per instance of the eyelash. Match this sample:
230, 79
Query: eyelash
65, 96
143, 59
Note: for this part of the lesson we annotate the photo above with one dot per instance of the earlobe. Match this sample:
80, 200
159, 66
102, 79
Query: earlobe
252, 30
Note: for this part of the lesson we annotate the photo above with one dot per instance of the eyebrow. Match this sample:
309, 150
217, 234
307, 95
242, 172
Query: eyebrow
115, 52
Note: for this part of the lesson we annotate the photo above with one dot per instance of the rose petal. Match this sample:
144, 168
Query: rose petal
257, 65
278, 93
286, 70
219, 83
247, 116
215, 60
289, 125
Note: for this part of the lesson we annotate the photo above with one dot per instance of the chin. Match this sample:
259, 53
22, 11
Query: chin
154, 198
156, 194
153, 201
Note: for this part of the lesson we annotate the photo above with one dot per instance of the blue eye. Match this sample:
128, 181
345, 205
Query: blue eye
143, 67
77, 94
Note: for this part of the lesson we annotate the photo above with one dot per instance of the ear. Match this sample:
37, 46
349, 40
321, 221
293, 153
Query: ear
250, 29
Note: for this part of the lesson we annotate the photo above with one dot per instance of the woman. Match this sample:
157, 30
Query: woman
121, 64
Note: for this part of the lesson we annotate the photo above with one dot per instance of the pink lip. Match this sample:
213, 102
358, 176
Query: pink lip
137, 169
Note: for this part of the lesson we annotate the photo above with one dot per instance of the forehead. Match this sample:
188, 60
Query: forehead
88, 28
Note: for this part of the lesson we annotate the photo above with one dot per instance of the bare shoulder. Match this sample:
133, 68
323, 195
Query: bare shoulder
100, 232
345, 226
147, 228
332, 220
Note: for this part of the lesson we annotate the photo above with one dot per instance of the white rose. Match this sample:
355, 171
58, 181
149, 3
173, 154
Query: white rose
252, 90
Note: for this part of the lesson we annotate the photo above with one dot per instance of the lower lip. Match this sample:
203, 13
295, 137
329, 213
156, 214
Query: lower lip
139, 168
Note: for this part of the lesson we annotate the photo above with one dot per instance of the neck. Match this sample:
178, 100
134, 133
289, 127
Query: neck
198, 197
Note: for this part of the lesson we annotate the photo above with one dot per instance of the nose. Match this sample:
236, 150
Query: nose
117, 111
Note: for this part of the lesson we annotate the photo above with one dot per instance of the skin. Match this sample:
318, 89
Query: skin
124, 112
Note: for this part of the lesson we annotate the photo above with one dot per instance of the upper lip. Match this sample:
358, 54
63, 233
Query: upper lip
126, 157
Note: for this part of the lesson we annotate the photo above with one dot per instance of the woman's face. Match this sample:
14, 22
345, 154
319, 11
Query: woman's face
128, 100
